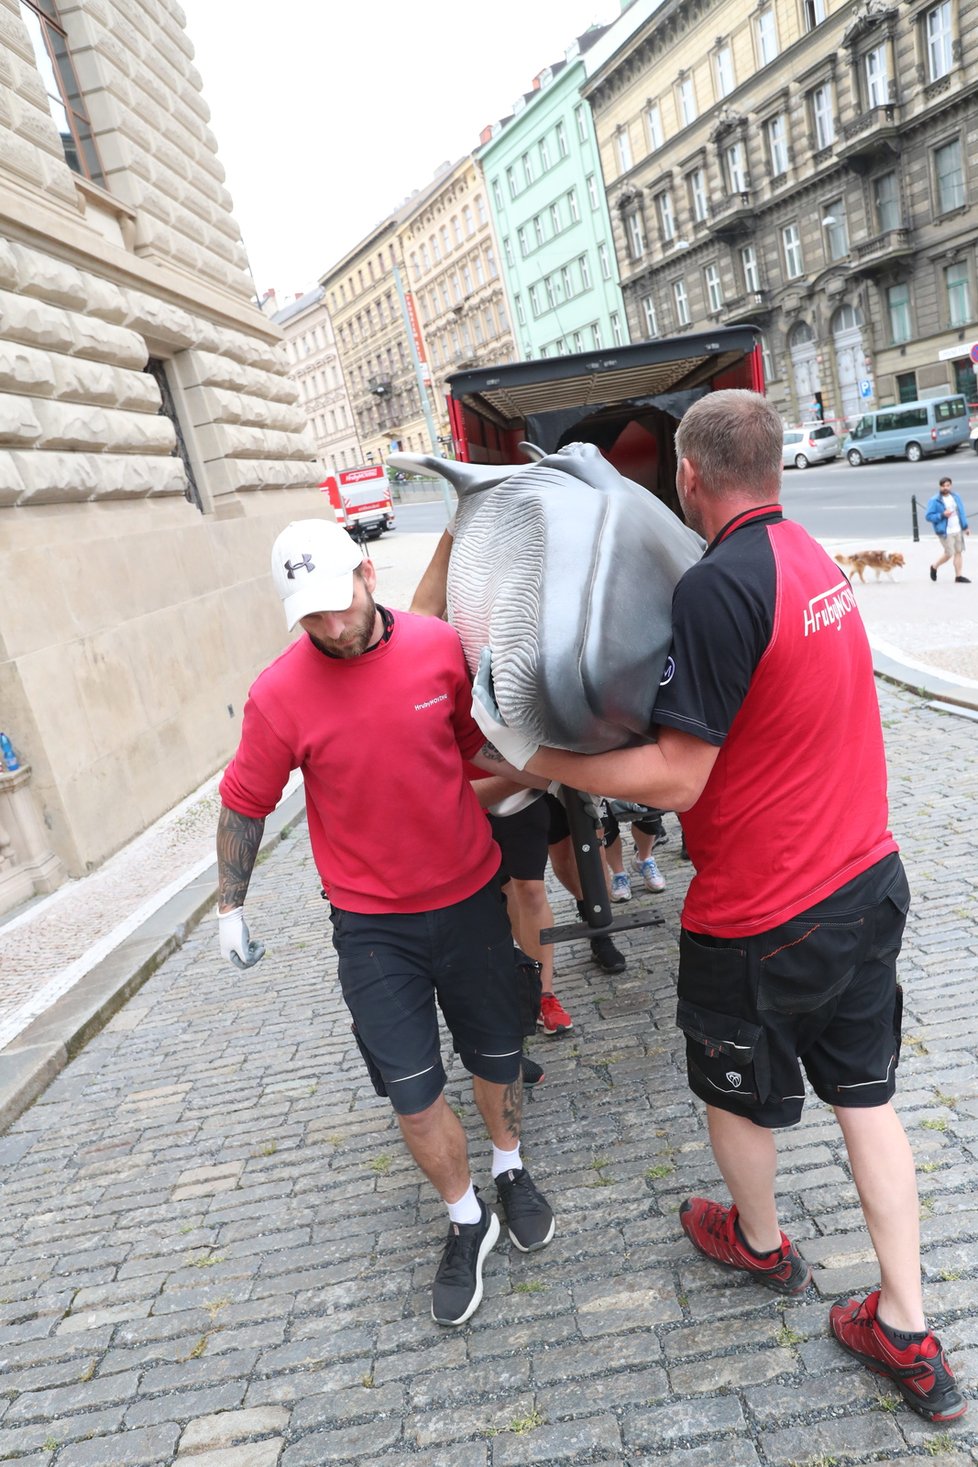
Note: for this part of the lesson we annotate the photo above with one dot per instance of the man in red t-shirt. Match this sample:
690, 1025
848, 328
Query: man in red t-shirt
768, 741
374, 709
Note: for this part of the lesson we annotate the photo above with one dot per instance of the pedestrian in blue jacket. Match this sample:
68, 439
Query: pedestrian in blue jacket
946, 513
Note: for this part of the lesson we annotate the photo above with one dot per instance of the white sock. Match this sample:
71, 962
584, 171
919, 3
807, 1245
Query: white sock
466, 1209
505, 1161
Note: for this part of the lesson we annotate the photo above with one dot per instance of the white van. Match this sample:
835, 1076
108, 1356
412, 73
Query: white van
910, 430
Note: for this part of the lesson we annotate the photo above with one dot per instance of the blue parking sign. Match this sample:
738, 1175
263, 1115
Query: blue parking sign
866, 388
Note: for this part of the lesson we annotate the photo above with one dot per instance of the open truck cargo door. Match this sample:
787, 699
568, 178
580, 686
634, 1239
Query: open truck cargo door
626, 401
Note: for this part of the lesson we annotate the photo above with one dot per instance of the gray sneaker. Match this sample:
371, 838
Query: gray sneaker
457, 1291
529, 1217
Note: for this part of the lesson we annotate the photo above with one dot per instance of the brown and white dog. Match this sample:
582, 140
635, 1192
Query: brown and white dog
876, 560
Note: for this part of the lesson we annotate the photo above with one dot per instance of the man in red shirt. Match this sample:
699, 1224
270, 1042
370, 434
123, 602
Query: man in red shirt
768, 741
369, 700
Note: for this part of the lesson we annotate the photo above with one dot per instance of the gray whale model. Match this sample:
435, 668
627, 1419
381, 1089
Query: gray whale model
566, 570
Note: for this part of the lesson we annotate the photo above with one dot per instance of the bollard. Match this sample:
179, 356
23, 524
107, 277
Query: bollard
913, 517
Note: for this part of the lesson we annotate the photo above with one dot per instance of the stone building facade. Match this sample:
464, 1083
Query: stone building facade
375, 339
452, 259
151, 444
313, 363
809, 166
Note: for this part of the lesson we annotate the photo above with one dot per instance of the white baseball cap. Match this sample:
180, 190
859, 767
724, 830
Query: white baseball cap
312, 566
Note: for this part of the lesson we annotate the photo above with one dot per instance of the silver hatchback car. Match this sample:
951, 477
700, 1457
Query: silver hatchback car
811, 443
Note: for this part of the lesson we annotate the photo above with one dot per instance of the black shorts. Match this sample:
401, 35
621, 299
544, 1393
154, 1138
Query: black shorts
393, 966
648, 825
523, 839
819, 991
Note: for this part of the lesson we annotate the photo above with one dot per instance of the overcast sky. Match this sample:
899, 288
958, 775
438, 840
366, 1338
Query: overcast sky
327, 115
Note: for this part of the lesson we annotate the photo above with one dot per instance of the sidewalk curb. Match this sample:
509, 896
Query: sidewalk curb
31, 1061
923, 681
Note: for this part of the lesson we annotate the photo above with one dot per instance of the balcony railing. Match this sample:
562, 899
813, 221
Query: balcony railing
730, 216
883, 249
865, 136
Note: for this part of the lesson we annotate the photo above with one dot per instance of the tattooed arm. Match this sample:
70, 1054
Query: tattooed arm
238, 839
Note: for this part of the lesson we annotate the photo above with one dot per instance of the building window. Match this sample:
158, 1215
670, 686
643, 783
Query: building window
898, 308
616, 331
939, 54
522, 241
748, 265
735, 167
886, 198
696, 184
877, 79
555, 218
480, 273
949, 171
466, 280
777, 144
520, 313
446, 242
686, 93
653, 123
794, 265
469, 221
958, 294
714, 290
538, 233
836, 227
425, 261
572, 208
511, 181
585, 272
64, 96
534, 295
823, 123
508, 252
906, 386
667, 216
491, 262
723, 67
604, 261
581, 121
548, 286
651, 320
497, 194
636, 236
766, 31
813, 12
596, 337
566, 282
527, 170
681, 300
560, 132
544, 155
592, 191
578, 340
623, 148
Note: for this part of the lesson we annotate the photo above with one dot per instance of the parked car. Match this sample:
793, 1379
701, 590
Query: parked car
910, 430
974, 438
812, 443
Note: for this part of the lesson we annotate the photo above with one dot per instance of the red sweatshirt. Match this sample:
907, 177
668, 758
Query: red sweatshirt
380, 740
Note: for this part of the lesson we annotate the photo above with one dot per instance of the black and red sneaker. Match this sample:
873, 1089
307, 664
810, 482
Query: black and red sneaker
920, 1372
712, 1229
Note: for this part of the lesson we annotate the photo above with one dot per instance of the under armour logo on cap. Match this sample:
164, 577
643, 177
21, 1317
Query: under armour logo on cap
306, 563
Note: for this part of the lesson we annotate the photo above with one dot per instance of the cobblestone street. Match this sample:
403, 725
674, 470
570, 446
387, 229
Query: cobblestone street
215, 1250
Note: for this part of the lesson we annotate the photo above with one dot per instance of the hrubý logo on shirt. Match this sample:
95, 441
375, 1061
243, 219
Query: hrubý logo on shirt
828, 608
442, 698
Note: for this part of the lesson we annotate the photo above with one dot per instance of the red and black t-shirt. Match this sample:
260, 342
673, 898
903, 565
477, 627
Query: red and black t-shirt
770, 662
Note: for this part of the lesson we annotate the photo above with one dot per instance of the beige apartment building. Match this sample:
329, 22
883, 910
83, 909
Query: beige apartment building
809, 166
375, 342
151, 444
453, 273
313, 363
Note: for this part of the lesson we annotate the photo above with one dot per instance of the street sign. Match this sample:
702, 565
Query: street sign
973, 354
865, 388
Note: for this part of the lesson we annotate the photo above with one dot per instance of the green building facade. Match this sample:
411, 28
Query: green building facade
550, 213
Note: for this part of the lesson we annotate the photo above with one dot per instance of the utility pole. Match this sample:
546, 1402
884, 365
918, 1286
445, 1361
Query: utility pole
414, 341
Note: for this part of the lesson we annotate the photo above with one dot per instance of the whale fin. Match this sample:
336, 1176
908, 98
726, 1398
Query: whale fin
464, 478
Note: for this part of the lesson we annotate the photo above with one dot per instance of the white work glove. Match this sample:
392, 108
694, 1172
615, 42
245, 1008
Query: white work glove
515, 747
236, 944
592, 803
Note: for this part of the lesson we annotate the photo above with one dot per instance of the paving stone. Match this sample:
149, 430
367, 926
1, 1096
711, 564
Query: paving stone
248, 1454
567, 1442
846, 1437
320, 1447
229, 1427
131, 1448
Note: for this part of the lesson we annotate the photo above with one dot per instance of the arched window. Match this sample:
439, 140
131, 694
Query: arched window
800, 334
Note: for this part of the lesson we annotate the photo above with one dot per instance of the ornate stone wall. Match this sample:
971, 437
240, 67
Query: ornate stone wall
151, 444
